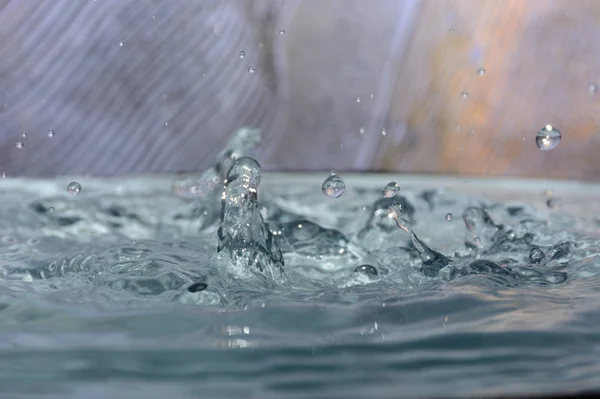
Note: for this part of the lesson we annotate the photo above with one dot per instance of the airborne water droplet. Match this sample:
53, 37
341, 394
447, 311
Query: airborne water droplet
449, 217
592, 89
74, 188
50, 133
464, 95
242, 54
20, 144
391, 189
251, 69
548, 138
362, 130
358, 100
333, 186
23, 134
121, 44
282, 32
481, 71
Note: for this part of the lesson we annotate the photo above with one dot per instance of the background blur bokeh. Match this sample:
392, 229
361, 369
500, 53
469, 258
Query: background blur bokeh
158, 86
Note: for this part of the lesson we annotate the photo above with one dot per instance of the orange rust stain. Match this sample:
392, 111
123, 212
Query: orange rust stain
499, 30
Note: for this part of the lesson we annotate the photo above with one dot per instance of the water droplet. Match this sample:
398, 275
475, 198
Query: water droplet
50, 133
367, 270
390, 189
472, 130
383, 132
74, 188
362, 130
20, 144
333, 186
464, 95
242, 54
166, 123
121, 44
449, 217
282, 32
251, 69
395, 212
481, 71
358, 99
23, 134
592, 89
51, 209
548, 138
536, 255
372, 96
4, 175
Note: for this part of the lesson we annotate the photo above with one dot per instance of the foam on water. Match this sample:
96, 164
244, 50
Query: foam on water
247, 288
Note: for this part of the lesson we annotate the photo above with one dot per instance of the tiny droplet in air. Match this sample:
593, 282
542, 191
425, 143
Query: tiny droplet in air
282, 32
4, 175
464, 95
50, 133
592, 89
333, 186
391, 189
121, 44
251, 69
74, 188
548, 138
20, 144
481, 71
51, 209
358, 100
449, 217
383, 132
23, 134
242, 54
362, 130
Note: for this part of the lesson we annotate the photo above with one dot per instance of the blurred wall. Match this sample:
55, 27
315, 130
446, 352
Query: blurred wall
158, 86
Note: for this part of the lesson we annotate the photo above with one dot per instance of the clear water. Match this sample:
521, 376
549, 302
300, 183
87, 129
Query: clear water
305, 295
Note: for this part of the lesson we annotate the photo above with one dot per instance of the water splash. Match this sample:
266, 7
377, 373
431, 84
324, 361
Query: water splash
243, 234
481, 229
205, 190
433, 261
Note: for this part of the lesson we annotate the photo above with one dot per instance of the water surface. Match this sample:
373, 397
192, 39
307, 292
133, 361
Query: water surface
95, 303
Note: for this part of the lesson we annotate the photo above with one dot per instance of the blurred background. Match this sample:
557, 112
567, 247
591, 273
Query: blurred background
434, 86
